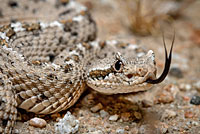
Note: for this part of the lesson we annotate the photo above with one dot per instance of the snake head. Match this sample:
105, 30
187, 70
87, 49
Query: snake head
121, 74
125, 73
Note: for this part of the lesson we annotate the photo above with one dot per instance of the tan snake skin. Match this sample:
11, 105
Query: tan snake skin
48, 56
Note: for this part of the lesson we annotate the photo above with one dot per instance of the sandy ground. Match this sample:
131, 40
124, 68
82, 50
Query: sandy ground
165, 108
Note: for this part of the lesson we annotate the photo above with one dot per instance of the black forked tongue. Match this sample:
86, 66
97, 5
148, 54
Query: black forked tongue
167, 64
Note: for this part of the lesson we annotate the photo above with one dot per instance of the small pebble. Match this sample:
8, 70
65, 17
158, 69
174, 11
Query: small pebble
120, 131
195, 100
195, 123
186, 98
103, 113
113, 117
168, 114
189, 114
176, 72
185, 87
37, 122
165, 98
96, 108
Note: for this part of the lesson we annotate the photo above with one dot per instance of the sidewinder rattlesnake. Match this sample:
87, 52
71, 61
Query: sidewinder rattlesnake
49, 55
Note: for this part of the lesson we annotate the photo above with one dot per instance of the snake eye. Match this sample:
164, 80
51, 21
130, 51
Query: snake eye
118, 66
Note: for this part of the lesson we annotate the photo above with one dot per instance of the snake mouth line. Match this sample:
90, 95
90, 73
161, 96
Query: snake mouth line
167, 64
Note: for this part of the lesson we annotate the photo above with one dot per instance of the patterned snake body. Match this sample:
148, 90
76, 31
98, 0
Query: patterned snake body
46, 64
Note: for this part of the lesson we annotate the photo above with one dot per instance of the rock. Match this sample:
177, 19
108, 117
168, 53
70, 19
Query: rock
96, 108
38, 122
67, 125
176, 72
168, 114
195, 100
113, 117
120, 131
103, 113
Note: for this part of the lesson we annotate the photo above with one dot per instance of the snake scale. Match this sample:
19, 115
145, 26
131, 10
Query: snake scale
49, 55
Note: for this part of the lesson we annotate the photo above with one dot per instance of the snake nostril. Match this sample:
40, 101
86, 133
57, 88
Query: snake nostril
129, 76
